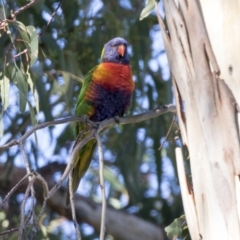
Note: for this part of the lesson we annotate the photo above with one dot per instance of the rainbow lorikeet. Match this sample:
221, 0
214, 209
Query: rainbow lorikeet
106, 93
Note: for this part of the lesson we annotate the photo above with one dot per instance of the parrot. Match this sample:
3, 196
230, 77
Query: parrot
106, 93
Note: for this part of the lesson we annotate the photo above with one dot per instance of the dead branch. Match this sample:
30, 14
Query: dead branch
120, 224
94, 129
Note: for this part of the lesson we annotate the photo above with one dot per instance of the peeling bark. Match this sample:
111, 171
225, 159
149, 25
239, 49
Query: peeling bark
204, 78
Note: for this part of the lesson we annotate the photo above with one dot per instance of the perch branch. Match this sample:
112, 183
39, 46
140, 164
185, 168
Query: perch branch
106, 123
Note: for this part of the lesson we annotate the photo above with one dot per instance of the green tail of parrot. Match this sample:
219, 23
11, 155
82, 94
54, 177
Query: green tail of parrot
81, 165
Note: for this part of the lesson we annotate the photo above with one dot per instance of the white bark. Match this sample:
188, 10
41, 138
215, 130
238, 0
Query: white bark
206, 77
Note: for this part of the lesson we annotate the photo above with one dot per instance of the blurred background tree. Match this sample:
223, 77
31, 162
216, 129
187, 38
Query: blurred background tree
140, 178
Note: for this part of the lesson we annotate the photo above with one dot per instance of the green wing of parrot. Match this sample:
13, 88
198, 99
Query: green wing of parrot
84, 156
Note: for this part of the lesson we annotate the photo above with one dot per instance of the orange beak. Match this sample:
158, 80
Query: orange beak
121, 50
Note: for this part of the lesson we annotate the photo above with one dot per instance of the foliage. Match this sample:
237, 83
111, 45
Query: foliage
178, 228
46, 79
150, 4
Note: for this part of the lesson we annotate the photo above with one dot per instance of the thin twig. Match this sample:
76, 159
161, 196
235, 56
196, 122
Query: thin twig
39, 216
73, 206
25, 7
169, 130
10, 36
22, 223
52, 16
13, 190
28, 218
17, 55
101, 166
26, 162
43, 182
4, 24
80, 80
32, 177
9, 231
45, 195
38, 127
12, 18
66, 172
32, 214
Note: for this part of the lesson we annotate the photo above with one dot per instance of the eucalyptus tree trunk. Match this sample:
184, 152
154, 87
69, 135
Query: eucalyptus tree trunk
203, 48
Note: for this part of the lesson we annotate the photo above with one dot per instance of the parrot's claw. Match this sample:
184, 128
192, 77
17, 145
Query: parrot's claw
88, 122
85, 118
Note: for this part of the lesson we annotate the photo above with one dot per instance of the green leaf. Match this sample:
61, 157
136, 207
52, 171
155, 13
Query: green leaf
33, 120
185, 233
22, 29
150, 4
112, 178
4, 91
4, 98
32, 114
20, 80
68, 87
33, 89
33, 46
30, 39
116, 185
175, 229
43, 98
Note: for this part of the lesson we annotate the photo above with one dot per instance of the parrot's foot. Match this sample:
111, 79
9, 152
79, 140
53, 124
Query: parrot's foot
117, 119
85, 118
88, 122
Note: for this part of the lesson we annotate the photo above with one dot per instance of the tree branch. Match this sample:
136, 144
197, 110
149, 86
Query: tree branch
102, 186
94, 129
24, 7
71, 195
50, 20
106, 123
120, 224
